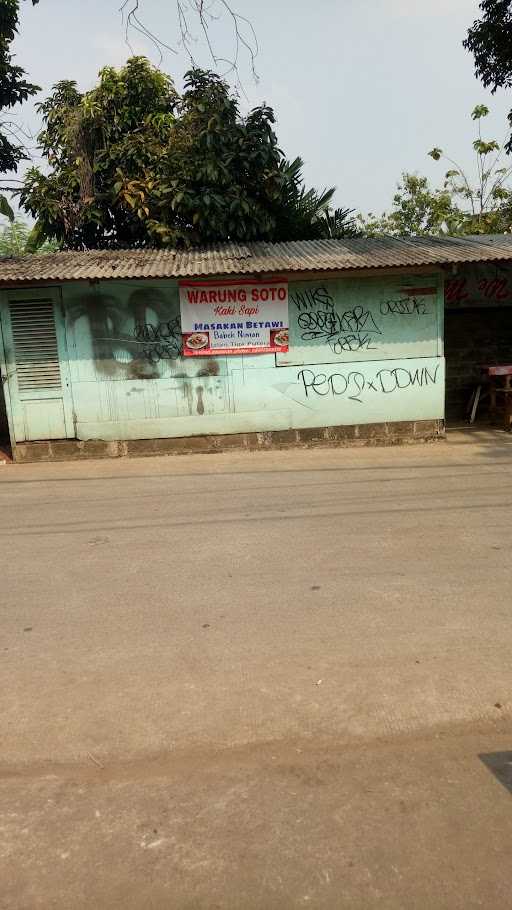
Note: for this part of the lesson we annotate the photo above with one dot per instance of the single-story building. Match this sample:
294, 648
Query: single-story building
247, 344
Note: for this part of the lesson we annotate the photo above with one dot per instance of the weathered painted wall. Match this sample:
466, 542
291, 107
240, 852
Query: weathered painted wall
362, 351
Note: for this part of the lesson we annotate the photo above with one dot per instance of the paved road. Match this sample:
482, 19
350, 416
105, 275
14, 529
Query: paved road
258, 680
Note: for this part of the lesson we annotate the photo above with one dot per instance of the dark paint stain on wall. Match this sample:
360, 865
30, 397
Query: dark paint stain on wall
200, 402
187, 393
210, 369
130, 337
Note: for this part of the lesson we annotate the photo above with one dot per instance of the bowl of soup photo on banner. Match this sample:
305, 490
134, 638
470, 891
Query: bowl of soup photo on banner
196, 341
279, 339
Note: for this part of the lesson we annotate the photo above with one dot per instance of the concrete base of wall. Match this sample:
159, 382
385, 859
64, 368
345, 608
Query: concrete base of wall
357, 435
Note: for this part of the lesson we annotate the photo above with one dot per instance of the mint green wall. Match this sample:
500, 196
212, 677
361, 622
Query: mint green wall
372, 318
358, 354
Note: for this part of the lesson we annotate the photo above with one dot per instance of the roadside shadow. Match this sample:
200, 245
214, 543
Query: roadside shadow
493, 442
499, 764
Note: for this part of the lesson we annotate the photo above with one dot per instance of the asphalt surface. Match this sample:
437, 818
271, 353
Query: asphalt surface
258, 680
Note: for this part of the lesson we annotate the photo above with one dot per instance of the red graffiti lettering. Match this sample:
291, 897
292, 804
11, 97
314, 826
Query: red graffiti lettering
455, 290
494, 288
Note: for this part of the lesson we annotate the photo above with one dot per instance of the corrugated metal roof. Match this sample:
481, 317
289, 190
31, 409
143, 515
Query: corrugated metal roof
256, 258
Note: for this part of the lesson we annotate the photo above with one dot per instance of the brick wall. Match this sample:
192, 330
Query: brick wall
478, 328
473, 337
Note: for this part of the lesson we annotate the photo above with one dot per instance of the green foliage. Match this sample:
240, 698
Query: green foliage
481, 110
490, 41
306, 214
133, 163
417, 210
338, 223
14, 88
484, 148
5, 208
16, 240
483, 204
461, 205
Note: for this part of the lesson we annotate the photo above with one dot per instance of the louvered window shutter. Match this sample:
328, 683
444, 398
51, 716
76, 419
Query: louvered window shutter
35, 345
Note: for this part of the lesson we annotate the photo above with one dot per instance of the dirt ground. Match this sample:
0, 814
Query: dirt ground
262, 680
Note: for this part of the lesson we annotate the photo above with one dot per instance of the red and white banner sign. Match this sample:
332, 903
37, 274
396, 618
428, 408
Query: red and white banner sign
234, 317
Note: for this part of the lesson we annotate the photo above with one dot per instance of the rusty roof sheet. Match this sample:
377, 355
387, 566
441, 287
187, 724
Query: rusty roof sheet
255, 258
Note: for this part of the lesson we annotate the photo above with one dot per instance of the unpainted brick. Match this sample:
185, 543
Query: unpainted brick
400, 428
342, 433
311, 435
353, 434
285, 438
371, 431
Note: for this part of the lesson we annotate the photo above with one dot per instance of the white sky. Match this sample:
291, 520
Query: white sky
362, 89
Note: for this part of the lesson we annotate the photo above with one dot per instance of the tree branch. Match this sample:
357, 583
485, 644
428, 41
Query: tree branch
243, 34
129, 10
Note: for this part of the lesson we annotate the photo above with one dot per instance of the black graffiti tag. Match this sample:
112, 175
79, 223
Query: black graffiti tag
354, 384
311, 297
353, 330
161, 341
404, 306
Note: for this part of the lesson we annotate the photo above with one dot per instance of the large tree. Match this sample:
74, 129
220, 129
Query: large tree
14, 89
132, 162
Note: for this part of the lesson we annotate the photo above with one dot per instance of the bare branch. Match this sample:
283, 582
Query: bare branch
465, 179
19, 135
498, 184
243, 34
129, 13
